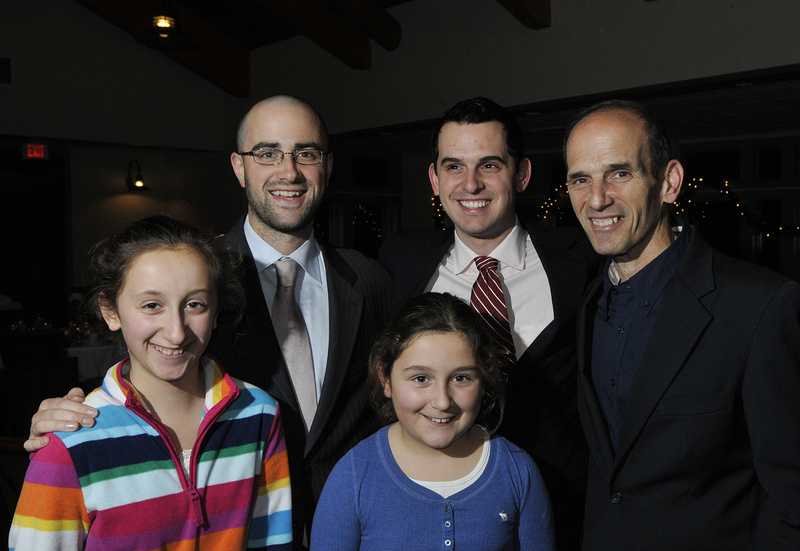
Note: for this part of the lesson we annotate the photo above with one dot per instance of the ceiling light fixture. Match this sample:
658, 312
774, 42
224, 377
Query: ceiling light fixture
164, 34
164, 21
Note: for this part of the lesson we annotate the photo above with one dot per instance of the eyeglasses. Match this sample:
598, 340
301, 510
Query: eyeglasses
270, 156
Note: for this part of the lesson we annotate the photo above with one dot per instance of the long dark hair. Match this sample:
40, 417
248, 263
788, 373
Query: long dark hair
111, 259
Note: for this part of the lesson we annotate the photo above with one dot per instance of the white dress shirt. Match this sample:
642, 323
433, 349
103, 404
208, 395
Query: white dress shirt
522, 276
311, 291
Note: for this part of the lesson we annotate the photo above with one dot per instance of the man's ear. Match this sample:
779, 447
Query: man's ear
524, 174
434, 178
673, 181
237, 162
109, 314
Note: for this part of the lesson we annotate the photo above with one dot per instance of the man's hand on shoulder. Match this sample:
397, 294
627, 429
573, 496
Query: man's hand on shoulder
65, 414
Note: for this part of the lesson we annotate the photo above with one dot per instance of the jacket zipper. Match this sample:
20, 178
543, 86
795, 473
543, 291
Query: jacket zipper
189, 486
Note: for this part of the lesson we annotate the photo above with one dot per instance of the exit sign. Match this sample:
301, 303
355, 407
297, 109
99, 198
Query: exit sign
35, 151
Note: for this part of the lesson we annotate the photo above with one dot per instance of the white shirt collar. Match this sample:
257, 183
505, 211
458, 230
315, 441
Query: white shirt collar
308, 255
510, 252
613, 273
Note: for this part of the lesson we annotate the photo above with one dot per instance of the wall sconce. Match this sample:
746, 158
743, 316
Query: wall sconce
135, 184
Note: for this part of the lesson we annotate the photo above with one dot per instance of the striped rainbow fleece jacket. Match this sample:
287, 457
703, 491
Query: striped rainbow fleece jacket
119, 485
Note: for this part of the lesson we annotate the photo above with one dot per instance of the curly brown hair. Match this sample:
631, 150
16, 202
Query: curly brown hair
438, 313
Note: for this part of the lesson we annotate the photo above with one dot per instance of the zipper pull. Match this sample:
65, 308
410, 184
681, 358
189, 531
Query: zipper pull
197, 508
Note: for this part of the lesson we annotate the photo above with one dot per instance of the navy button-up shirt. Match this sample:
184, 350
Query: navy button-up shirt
626, 313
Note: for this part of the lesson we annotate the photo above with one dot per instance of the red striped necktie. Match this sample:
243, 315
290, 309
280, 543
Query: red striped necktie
488, 300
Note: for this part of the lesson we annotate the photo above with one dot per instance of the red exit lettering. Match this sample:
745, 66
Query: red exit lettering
36, 151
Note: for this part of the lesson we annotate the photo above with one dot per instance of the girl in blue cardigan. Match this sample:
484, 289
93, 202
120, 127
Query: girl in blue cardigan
435, 477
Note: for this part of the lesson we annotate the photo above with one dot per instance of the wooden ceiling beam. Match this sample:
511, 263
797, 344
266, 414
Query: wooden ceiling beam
218, 58
373, 21
326, 28
215, 57
534, 14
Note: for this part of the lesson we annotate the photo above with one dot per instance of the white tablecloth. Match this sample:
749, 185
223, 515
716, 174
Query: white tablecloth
93, 361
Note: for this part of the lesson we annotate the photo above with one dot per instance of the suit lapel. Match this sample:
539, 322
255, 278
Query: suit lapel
566, 275
682, 319
592, 416
416, 271
345, 304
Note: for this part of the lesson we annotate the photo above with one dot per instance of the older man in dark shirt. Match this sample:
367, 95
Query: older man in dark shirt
688, 362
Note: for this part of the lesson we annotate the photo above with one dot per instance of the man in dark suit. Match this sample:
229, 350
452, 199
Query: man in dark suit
283, 163
282, 200
689, 361
477, 169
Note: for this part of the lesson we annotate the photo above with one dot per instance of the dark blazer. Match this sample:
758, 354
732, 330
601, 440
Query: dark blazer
358, 295
709, 451
541, 414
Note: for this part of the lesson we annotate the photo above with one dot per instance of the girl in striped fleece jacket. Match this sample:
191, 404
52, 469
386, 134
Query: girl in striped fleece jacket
182, 456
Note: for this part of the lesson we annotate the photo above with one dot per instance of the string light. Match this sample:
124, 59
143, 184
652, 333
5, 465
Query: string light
439, 217
364, 219
758, 225
555, 204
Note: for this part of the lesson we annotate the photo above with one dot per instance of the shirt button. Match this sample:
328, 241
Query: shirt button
621, 330
447, 524
446, 508
616, 498
447, 543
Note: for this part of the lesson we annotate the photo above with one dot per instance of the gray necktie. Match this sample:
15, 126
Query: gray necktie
290, 327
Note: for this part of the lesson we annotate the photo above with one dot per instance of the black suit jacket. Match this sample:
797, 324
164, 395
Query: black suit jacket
541, 414
709, 451
358, 295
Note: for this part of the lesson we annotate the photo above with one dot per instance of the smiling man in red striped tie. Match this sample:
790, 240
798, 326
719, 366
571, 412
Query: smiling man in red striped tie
525, 280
